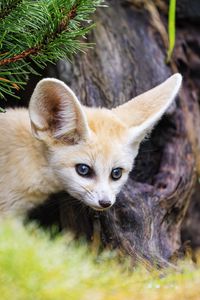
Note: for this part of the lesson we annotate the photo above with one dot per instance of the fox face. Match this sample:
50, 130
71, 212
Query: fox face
92, 150
95, 169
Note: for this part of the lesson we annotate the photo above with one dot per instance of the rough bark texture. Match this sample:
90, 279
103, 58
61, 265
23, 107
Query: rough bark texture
128, 59
187, 56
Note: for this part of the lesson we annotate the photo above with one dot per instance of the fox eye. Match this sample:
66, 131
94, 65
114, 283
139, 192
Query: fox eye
83, 170
116, 173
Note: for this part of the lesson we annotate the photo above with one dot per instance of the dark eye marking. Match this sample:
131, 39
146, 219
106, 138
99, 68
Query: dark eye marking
116, 173
84, 170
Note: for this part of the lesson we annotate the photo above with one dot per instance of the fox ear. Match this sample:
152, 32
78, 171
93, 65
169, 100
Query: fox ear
143, 112
56, 112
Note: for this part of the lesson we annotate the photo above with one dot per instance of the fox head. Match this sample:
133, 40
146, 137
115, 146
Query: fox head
92, 150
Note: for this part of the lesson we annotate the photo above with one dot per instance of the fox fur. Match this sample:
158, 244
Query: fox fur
40, 147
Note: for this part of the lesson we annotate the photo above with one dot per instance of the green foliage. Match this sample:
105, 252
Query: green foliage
35, 32
6, 6
33, 267
171, 28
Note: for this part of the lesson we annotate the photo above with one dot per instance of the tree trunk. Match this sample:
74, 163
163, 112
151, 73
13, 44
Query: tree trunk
128, 59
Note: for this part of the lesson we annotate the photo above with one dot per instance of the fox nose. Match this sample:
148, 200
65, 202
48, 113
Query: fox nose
105, 203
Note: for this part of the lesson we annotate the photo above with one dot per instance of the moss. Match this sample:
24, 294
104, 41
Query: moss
32, 266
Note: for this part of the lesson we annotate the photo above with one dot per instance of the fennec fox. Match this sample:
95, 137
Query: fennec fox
59, 144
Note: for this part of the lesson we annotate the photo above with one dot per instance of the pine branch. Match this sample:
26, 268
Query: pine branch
17, 57
7, 6
40, 31
35, 50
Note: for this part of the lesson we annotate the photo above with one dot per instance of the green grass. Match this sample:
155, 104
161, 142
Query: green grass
171, 28
34, 267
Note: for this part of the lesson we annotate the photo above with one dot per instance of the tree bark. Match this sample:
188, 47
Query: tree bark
188, 61
128, 59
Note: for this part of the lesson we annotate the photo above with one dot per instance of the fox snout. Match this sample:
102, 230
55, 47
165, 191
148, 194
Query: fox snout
105, 203
102, 204
99, 202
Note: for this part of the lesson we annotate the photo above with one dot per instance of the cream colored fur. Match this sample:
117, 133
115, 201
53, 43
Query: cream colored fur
40, 148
